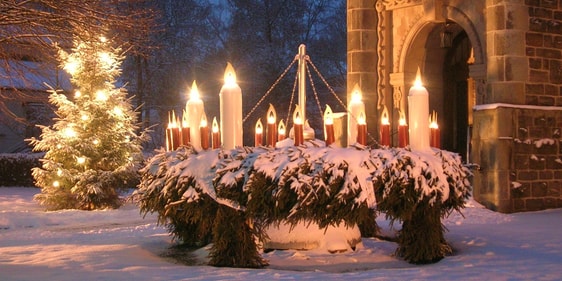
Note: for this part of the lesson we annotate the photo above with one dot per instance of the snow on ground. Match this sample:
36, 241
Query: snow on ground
121, 245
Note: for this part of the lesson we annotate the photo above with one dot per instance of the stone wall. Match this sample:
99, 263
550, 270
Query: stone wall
520, 157
544, 51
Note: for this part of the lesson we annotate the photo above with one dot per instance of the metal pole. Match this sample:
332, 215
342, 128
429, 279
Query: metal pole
302, 80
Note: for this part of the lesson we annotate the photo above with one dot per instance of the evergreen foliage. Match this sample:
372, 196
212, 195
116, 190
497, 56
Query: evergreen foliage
232, 195
93, 148
420, 199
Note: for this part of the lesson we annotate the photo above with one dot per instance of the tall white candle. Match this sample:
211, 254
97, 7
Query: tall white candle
355, 107
231, 110
194, 109
418, 112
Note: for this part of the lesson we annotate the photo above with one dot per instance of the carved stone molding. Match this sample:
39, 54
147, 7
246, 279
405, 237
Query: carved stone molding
395, 4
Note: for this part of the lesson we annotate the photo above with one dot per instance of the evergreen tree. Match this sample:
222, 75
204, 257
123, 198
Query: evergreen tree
93, 148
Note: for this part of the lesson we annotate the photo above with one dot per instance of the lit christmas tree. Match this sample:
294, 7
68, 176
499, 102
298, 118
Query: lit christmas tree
93, 148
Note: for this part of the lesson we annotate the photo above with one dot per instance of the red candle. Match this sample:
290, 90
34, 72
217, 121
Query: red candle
434, 134
204, 131
215, 134
173, 137
435, 140
176, 136
361, 129
297, 127
271, 126
385, 129
329, 126
402, 133
259, 133
185, 130
168, 137
281, 131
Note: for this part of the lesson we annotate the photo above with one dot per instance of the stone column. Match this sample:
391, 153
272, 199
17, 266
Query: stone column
362, 57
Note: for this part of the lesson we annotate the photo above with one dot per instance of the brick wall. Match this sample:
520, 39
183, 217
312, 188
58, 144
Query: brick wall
544, 51
537, 160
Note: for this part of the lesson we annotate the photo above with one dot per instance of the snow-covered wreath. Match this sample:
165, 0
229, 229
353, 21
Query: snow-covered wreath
228, 197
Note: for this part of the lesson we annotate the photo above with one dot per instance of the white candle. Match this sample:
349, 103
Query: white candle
355, 107
231, 110
418, 111
194, 109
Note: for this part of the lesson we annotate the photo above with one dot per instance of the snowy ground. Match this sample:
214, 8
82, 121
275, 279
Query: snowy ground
121, 245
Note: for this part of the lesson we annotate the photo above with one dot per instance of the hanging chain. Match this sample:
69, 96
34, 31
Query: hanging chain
327, 85
269, 90
314, 89
337, 97
292, 98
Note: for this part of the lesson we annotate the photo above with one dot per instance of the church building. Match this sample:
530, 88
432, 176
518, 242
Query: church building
493, 70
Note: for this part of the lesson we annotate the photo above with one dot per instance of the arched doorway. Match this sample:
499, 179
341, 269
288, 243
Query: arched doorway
445, 68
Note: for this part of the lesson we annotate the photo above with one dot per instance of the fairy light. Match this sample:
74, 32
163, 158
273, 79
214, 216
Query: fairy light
81, 160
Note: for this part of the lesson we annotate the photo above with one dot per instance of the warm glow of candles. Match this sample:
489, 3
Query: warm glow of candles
230, 98
173, 138
361, 129
355, 107
204, 132
385, 128
281, 131
258, 133
195, 110
271, 126
216, 142
418, 110
298, 126
434, 133
329, 126
402, 131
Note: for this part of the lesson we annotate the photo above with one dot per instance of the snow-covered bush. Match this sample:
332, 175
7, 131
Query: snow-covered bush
418, 189
15, 168
228, 197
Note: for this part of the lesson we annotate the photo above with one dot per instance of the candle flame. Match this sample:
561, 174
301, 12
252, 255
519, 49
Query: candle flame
172, 120
259, 127
281, 128
194, 93
384, 117
271, 115
356, 94
328, 116
361, 120
297, 119
418, 81
203, 122
433, 121
402, 120
215, 127
229, 75
184, 120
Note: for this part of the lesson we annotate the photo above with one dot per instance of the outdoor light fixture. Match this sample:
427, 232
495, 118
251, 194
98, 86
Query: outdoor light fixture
446, 37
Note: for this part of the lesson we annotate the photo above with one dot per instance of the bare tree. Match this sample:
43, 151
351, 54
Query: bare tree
30, 29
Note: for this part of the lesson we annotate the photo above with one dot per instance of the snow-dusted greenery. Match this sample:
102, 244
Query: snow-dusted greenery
93, 147
192, 191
